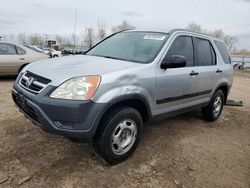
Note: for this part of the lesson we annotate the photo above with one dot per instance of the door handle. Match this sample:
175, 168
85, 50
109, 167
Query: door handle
193, 73
21, 58
219, 71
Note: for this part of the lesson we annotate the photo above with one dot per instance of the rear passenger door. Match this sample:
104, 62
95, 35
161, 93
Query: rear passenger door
206, 66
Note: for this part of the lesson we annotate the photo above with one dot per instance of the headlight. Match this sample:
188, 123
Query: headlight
80, 88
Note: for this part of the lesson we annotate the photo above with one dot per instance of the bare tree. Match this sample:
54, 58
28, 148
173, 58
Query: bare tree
123, 26
101, 30
243, 52
194, 27
67, 43
3, 37
89, 37
22, 38
75, 40
218, 33
36, 40
11, 37
59, 40
230, 41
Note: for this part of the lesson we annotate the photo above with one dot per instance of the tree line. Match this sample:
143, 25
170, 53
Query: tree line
89, 36
230, 41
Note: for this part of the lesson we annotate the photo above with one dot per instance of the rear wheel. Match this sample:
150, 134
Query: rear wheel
213, 110
119, 135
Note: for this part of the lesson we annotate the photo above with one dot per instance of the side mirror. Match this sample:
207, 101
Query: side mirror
173, 61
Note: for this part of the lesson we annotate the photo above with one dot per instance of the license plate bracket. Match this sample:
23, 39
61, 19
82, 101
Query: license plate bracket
21, 98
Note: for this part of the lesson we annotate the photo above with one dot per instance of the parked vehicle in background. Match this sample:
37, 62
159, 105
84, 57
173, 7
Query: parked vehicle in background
34, 48
38, 49
128, 79
240, 66
240, 62
14, 57
69, 51
54, 52
236, 66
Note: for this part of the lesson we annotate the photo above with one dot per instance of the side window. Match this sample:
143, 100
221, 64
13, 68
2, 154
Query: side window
223, 51
205, 53
20, 51
183, 46
7, 49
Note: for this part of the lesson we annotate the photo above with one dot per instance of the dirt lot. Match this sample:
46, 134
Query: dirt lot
184, 151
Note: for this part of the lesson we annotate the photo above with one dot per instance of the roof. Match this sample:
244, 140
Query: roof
178, 30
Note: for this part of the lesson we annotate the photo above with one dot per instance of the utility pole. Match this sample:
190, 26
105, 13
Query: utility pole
75, 30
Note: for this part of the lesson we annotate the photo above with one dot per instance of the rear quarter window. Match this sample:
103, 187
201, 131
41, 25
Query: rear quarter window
223, 51
20, 51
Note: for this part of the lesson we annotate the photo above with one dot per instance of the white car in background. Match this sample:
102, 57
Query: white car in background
54, 53
14, 57
39, 49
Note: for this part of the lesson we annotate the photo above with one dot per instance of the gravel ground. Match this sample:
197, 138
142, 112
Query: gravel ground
183, 151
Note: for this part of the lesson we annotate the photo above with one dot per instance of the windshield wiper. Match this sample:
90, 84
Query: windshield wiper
112, 57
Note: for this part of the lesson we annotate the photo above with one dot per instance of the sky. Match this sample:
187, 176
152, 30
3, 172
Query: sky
57, 16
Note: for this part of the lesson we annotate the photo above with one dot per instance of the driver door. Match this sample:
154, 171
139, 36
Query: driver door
177, 87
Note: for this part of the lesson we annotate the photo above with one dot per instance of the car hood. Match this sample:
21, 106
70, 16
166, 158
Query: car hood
59, 70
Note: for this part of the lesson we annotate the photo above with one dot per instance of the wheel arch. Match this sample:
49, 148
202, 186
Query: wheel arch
225, 89
136, 101
21, 67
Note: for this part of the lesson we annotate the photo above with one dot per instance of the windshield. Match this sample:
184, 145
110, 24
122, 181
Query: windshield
140, 47
34, 48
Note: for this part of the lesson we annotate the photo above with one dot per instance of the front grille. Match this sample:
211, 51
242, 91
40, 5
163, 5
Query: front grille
33, 82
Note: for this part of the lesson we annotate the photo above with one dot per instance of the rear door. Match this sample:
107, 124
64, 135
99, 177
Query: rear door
224, 62
206, 66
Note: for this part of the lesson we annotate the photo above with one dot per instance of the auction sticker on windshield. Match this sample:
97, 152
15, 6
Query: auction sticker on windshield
154, 37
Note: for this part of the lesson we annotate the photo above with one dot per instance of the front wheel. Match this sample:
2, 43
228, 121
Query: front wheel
213, 110
118, 135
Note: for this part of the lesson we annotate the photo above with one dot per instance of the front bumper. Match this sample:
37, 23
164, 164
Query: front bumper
74, 119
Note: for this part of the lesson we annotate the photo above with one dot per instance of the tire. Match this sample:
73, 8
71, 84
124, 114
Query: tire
213, 110
55, 56
119, 135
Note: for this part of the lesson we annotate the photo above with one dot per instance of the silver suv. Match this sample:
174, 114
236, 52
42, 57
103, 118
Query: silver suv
129, 78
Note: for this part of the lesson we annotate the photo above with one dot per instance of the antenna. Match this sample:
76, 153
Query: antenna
75, 29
